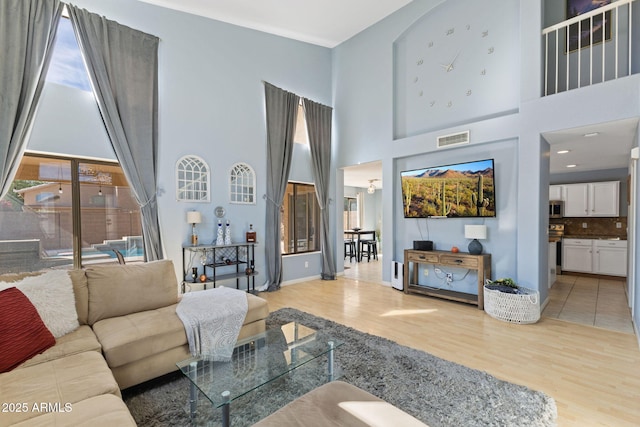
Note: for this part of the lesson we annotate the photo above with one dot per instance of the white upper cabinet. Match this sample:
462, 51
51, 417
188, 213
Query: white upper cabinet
556, 192
604, 198
592, 199
576, 201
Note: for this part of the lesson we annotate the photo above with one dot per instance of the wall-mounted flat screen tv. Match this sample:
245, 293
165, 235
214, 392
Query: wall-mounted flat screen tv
458, 190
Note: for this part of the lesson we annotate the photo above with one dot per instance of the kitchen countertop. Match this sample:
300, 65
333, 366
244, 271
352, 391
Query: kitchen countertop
594, 237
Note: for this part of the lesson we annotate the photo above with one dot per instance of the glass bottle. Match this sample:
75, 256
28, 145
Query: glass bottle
251, 235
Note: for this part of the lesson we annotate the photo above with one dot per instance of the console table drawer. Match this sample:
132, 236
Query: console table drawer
459, 261
422, 257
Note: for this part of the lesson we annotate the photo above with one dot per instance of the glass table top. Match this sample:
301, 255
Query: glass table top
258, 360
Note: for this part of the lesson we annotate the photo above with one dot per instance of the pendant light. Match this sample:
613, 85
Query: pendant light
372, 188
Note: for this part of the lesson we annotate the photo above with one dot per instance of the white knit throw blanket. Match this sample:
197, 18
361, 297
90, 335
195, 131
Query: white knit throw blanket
212, 320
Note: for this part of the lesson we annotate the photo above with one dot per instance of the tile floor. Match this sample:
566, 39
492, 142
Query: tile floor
590, 301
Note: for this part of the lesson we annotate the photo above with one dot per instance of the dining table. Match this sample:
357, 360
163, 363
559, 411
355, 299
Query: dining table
356, 234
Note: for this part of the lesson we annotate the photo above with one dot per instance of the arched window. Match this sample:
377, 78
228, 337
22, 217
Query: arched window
192, 179
242, 184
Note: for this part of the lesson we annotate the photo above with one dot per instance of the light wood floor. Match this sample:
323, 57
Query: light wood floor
593, 374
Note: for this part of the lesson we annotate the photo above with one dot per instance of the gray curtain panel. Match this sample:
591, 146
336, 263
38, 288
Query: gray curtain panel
27, 36
282, 109
318, 119
123, 69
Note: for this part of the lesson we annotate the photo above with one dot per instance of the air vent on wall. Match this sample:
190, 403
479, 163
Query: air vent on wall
453, 139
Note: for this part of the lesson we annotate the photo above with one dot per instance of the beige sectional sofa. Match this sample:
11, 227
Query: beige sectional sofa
129, 333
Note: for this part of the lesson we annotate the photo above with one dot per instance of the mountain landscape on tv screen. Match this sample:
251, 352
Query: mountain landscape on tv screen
450, 191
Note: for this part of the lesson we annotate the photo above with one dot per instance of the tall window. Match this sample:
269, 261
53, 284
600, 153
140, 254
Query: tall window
300, 135
350, 218
67, 67
67, 212
300, 219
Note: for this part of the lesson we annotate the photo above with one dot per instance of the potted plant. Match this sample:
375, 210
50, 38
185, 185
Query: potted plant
505, 300
505, 284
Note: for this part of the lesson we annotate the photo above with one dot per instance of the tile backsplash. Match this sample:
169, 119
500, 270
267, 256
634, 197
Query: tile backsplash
596, 227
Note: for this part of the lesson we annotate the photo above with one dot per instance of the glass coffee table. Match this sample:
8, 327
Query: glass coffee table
257, 361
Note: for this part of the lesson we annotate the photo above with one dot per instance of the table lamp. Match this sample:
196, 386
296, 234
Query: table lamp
193, 218
475, 232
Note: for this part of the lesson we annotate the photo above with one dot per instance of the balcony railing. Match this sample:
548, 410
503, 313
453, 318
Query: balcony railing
591, 48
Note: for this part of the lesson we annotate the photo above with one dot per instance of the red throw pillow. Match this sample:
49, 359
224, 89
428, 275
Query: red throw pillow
22, 332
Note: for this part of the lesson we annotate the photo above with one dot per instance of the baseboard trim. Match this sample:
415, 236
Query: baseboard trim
302, 279
544, 304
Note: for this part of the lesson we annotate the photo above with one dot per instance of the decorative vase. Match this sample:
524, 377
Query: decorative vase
194, 274
220, 235
227, 234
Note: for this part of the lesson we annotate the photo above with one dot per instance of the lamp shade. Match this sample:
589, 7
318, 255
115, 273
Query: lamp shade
193, 217
475, 231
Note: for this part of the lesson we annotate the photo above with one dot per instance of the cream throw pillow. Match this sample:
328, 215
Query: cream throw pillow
52, 294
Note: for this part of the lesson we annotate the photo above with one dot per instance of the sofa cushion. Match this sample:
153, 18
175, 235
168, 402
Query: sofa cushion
133, 337
22, 332
81, 291
82, 339
126, 339
105, 410
118, 290
258, 309
51, 292
68, 380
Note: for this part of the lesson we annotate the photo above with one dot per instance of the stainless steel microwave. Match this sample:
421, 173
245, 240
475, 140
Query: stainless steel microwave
556, 208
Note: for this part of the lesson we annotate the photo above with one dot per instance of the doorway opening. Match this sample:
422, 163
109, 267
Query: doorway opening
590, 286
362, 212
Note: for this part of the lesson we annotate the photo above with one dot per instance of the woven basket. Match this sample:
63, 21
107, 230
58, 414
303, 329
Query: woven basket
519, 308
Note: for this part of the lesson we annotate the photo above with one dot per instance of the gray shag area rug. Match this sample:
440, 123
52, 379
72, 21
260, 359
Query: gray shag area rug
438, 392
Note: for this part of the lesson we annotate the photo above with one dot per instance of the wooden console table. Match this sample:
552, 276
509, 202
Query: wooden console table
481, 263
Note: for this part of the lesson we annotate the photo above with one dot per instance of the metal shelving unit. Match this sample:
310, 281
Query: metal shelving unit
220, 262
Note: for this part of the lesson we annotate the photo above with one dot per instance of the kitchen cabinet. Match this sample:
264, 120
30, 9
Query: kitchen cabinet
608, 257
592, 199
556, 192
552, 263
577, 255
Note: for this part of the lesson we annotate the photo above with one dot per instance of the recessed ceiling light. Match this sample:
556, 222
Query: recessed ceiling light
588, 135
563, 151
571, 166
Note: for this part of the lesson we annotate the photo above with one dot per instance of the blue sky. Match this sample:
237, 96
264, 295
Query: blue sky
462, 167
67, 67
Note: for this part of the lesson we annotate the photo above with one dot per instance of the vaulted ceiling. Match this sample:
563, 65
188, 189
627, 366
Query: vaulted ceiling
325, 23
